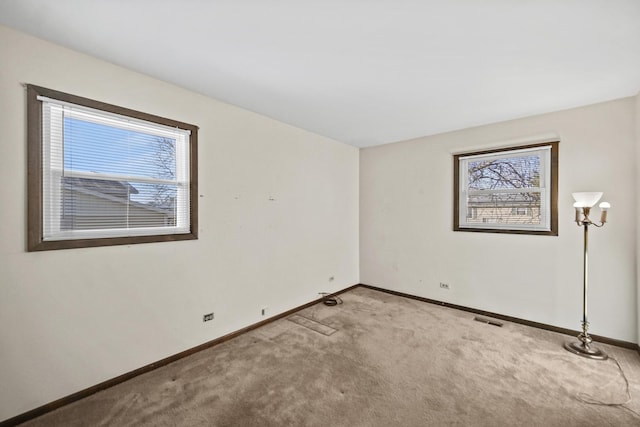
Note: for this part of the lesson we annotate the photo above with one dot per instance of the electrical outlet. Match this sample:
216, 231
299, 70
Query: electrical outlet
264, 310
207, 317
444, 285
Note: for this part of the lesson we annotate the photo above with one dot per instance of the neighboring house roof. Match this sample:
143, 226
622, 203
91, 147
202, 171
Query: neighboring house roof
116, 191
513, 200
113, 188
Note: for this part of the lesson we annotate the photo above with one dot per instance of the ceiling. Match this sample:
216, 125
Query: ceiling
364, 72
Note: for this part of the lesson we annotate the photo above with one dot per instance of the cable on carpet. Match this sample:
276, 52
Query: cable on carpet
585, 398
330, 300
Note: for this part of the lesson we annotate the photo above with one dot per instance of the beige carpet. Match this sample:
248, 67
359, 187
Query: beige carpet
391, 361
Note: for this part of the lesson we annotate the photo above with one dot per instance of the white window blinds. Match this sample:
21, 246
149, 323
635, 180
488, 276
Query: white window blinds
108, 175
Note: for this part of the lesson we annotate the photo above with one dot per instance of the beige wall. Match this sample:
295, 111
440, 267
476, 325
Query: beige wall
70, 319
407, 243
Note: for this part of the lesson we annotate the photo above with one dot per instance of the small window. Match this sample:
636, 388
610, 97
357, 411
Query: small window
511, 190
104, 175
519, 211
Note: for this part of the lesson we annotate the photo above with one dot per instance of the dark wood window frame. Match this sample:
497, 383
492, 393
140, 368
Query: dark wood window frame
35, 240
553, 187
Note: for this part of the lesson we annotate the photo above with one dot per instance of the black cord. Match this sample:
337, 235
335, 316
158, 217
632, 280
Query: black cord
330, 300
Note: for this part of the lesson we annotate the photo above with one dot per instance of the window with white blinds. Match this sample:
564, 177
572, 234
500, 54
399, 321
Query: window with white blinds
511, 190
109, 175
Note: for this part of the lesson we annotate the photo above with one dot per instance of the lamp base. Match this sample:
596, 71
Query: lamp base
585, 350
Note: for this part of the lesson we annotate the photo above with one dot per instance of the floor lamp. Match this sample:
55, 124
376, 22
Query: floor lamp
584, 202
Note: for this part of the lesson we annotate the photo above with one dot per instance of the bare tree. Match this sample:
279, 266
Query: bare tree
164, 195
507, 189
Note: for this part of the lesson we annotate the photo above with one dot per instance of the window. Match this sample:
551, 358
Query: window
104, 175
510, 190
519, 211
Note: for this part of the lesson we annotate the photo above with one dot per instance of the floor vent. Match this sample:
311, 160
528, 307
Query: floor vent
488, 321
312, 324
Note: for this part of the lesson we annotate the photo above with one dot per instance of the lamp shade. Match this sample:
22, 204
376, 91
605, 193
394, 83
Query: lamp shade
586, 199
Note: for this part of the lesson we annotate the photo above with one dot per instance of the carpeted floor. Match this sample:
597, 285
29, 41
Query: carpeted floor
376, 360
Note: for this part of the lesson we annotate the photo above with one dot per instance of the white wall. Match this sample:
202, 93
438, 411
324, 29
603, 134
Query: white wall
70, 319
638, 211
407, 243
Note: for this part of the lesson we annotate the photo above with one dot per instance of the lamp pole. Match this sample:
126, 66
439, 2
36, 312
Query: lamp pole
585, 287
583, 346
